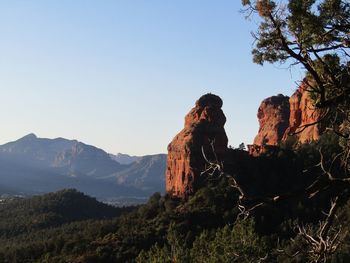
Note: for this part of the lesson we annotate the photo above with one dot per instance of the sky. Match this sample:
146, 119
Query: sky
122, 74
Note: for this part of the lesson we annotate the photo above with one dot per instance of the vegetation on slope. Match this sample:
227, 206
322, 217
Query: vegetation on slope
207, 227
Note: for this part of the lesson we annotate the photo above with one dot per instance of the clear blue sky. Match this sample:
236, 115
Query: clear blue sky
122, 74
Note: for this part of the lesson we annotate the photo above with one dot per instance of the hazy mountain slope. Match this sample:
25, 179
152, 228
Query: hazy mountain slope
34, 151
68, 156
125, 158
33, 165
22, 179
81, 159
145, 173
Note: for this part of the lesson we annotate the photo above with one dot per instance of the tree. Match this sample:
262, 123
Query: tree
237, 243
316, 35
173, 251
241, 147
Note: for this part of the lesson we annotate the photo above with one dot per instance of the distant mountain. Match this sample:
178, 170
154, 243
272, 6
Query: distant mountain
34, 165
69, 156
144, 173
125, 158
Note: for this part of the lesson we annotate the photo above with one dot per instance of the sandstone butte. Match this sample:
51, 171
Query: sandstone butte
281, 117
273, 116
203, 130
303, 112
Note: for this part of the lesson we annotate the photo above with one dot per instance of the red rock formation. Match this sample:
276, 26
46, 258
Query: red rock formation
302, 112
203, 124
273, 115
279, 118
256, 150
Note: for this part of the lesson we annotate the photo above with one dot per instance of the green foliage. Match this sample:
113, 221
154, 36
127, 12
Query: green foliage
305, 21
120, 238
315, 34
202, 228
43, 227
68, 226
51, 210
155, 254
237, 243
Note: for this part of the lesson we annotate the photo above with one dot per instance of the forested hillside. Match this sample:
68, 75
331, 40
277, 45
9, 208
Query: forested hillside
209, 226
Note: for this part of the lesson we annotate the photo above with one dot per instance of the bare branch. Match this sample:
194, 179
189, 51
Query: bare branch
324, 242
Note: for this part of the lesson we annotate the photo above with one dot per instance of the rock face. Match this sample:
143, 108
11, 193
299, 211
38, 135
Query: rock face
280, 117
302, 112
204, 130
256, 150
204, 125
273, 115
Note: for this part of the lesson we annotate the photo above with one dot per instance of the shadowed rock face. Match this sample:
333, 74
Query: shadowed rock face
302, 112
273, 115
204, 125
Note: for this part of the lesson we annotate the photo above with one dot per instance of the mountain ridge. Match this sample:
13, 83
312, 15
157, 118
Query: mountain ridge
39, 165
